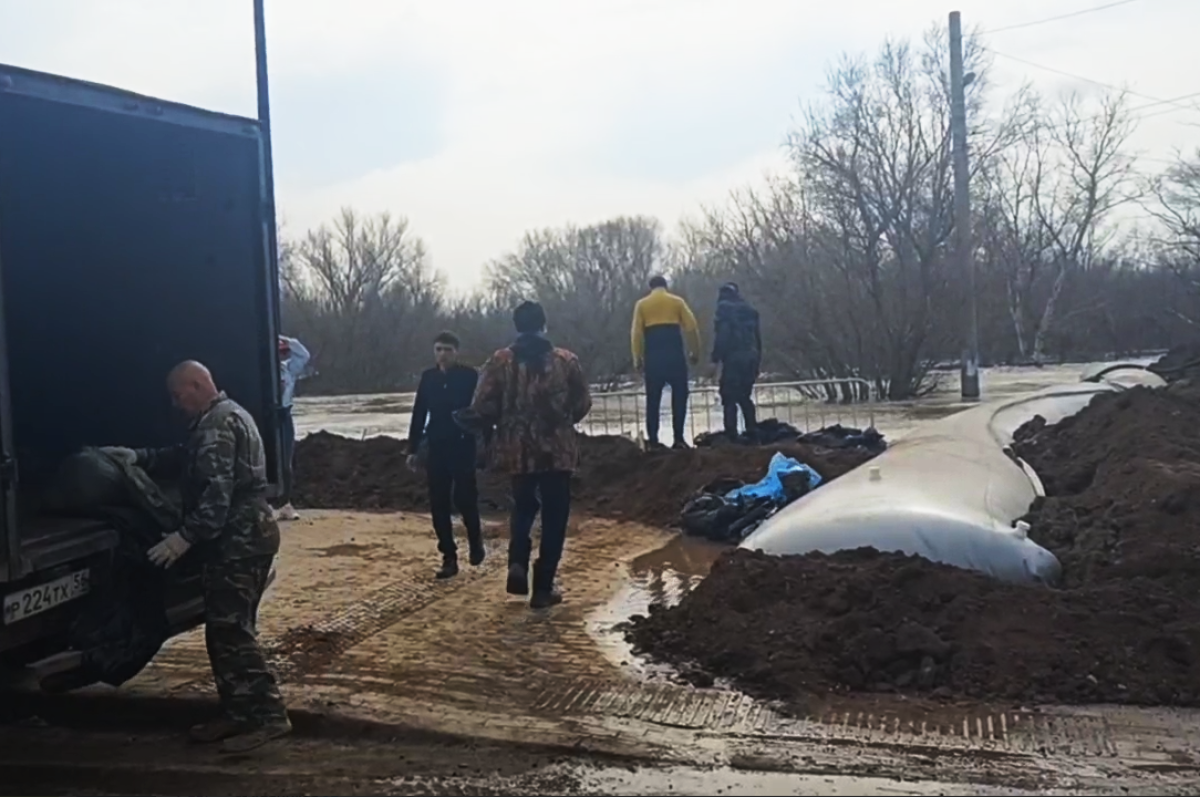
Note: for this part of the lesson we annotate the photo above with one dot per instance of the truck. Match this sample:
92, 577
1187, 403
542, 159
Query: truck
134, 233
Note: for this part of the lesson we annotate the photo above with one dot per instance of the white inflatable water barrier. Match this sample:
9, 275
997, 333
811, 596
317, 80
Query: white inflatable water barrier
950, 492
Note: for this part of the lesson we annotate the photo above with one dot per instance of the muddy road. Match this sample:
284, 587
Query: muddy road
403, 685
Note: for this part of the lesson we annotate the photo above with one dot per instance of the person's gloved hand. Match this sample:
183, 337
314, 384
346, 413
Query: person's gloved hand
126, 455
169, 551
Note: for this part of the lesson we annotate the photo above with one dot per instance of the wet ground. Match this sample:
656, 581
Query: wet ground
621, 412
404, 685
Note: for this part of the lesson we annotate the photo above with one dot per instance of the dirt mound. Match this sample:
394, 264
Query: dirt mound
1181, 362
615, 478
1122, 513
798, 626
1122, 482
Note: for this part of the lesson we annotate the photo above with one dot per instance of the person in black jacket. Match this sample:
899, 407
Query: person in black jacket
448, 451
737, 353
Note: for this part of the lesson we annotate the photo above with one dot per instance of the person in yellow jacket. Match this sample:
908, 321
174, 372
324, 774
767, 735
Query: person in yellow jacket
664, 339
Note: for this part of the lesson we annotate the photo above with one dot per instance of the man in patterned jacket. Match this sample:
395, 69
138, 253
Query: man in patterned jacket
228, 523
533, 394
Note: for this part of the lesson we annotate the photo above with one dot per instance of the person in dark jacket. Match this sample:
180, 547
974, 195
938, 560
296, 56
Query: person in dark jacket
737, 352
447, 450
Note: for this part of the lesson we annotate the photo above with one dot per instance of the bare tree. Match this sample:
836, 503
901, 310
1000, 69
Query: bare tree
588, 279
846, 256
876, 160
1175, 203
1088, 175
362, 292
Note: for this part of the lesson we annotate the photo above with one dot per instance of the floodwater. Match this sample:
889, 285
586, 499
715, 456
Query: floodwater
621, 412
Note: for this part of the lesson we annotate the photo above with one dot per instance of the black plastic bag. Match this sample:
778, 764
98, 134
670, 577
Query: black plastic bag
85, 482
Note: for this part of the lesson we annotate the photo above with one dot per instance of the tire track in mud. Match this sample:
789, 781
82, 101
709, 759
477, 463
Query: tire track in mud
729, 713
307, 649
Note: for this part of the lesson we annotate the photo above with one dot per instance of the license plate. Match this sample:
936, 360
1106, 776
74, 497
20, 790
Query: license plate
43, 597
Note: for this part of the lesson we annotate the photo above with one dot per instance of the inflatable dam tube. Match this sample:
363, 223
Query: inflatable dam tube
950, 492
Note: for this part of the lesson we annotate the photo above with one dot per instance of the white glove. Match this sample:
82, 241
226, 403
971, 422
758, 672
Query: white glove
168, 552
126, 455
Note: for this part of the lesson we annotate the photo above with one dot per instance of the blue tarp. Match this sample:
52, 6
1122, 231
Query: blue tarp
770, 485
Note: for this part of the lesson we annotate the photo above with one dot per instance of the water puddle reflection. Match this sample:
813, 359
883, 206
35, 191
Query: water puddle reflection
662, 576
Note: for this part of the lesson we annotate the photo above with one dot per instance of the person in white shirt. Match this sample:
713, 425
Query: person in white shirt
293, 360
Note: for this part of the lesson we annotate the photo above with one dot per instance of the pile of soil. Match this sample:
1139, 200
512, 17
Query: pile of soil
1180, 363
1122, 513
1122, 481
614, 479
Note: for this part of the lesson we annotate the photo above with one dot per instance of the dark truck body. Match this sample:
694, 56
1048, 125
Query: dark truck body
133, 235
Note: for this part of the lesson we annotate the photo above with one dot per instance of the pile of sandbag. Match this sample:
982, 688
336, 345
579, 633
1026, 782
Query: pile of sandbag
727, 510
772, 431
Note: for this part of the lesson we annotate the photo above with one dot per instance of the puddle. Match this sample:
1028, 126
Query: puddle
728, 781
663, 576
683, 780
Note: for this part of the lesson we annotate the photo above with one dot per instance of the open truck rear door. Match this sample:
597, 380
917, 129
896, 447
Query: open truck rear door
10, 538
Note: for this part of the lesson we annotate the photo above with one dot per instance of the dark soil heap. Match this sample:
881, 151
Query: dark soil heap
1123, 515
1180, 363
615, 478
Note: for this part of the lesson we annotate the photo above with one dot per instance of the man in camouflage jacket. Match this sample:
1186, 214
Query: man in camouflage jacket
533, 394
227, 522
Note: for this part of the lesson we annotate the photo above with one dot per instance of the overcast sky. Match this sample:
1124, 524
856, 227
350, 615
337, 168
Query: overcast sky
480, 120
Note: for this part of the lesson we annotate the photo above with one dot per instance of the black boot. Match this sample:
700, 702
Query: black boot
730, 413
750, 415
449, 567
544, 593
478, 551
518, 580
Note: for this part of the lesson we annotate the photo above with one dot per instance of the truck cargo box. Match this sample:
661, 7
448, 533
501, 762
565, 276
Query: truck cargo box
133, 235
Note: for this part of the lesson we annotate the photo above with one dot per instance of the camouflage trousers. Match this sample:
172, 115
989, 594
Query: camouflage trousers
247, 688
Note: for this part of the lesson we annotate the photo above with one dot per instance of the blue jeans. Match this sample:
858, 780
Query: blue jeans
287, 431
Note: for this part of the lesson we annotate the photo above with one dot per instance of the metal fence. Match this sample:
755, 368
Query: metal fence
808, 405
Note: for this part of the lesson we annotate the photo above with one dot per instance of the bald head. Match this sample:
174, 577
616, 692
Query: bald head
192, 387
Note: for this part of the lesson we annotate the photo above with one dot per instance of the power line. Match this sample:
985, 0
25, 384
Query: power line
1073, 76
1134, 112
1068, 15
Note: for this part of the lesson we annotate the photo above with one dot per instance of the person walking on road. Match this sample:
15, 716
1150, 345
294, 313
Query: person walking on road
229, 525
533, 394
664, 339
737, 353
448, 451
293, 359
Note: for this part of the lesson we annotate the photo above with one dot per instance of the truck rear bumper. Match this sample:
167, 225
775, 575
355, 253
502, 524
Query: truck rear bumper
182, 618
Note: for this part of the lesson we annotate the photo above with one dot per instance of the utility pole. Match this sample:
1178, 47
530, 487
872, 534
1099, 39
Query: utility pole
963, 239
